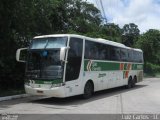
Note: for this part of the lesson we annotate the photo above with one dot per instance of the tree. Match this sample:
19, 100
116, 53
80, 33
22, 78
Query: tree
82, 17
112, 31
149, 42
130, 34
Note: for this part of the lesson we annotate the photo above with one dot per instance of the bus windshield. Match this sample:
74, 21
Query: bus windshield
44, 59
48, 43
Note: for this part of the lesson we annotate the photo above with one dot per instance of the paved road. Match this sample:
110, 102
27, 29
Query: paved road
144, 98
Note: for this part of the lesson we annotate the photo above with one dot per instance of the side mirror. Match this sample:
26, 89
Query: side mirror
62, 53
20, 55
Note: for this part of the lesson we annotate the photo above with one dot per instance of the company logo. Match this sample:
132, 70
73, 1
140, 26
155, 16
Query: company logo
93, 66
89, 65
102, 75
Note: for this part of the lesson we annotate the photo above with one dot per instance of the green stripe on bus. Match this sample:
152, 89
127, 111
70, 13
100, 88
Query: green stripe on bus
101, 66
137, 66
106, 66
125, 66
48, 82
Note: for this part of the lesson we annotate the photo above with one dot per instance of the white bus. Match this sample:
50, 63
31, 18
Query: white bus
64, 65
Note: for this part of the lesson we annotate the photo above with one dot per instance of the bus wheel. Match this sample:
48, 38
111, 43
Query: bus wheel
130, 83
88, 90
134, 82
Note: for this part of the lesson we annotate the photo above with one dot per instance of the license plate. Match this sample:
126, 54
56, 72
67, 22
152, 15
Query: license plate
39, 91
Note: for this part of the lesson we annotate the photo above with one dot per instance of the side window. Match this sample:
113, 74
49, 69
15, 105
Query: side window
87, 50
130, 56
86, 53
96, 51
74, 59
136, 57
115, 53
103, 52
141, 57
124, 55
107, 47
91, 50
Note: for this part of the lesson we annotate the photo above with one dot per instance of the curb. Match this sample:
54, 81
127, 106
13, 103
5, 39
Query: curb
13, 97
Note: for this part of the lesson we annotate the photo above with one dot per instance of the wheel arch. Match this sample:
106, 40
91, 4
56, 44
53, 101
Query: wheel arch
129, 78
135, 78
91, 81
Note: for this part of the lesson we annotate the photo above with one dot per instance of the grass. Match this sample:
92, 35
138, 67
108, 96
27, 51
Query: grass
157, 75
10, 92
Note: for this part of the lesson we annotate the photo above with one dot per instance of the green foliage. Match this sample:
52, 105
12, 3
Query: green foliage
149, 42
10, 92
130, 34
82, 17
152, 68
111, 31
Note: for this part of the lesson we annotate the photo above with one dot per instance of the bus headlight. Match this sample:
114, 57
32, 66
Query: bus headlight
57, 85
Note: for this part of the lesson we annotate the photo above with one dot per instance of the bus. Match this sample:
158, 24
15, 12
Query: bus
64, 65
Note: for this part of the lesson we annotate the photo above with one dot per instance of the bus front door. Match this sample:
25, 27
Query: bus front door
73, 66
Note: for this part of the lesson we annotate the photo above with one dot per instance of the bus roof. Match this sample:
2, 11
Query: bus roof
99, 40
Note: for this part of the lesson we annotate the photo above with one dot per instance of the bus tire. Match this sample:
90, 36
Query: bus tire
88, 90
134, 81
129, 83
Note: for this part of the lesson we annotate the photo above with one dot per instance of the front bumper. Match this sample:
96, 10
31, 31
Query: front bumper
50, 92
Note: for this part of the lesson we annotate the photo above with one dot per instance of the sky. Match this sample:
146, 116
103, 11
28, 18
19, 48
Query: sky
144, 13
